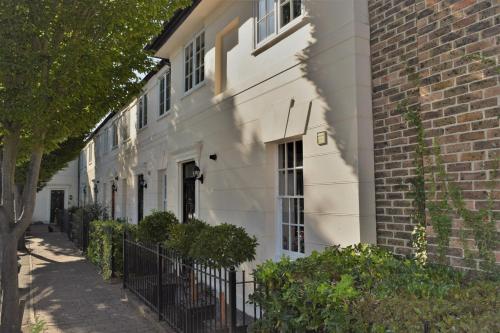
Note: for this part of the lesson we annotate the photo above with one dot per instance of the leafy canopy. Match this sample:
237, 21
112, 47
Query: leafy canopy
65, 64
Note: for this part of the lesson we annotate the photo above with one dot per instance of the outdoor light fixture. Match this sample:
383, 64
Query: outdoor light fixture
213, 157
197, 174
114, 188
143, 184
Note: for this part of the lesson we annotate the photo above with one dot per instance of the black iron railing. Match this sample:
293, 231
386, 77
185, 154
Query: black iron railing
189, 296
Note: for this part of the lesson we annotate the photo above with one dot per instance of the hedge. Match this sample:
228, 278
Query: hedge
366, 289
106, 245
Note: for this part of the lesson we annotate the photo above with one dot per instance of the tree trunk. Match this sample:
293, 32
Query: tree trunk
11, 229
10, 300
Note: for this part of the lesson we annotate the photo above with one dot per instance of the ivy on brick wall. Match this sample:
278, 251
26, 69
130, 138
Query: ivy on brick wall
443, 199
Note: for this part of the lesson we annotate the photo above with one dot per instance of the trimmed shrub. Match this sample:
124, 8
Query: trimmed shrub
155, 227
106, 245
183, 236
224, 245
366, 289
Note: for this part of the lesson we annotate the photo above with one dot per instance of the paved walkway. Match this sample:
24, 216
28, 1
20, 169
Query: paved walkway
69, 295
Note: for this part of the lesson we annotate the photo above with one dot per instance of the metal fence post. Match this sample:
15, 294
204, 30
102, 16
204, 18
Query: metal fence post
427, 327
232, 300
125, 264
160, 284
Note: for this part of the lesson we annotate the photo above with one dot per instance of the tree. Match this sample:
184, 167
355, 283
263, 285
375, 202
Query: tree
63, 65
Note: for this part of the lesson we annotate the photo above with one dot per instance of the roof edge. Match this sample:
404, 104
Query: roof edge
171, 26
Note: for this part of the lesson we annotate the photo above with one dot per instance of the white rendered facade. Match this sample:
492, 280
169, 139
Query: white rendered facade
308, 84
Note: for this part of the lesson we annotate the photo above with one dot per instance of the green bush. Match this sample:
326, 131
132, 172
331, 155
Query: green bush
106, 245
365, 289
155, 227
224, 245
183, 236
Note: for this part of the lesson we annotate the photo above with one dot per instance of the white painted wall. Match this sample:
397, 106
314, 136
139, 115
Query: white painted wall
67, 180
323, 66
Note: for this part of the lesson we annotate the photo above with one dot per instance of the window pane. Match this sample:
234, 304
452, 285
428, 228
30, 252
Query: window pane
140, 113
270, 24
262, 9
285, 230
167, 92
301, 239
285, 14
294, 239
289, 154
281, 183
162, 96
145, 110
290, 184
297, 8
261, 30
293, 211
300, 183
298, 153
270, 6
281, 156
301, 211
285, 207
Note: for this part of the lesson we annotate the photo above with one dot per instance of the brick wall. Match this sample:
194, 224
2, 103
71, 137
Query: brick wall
421, 54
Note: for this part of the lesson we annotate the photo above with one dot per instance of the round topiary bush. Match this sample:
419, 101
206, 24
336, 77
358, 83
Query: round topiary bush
183, 236
224, 245
155, 227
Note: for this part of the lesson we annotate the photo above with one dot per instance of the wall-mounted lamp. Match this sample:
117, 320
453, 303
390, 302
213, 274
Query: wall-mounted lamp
197, 174
116, 178
114, 188
213, 157
142, 183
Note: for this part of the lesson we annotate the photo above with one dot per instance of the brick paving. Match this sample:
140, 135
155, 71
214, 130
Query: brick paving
69, 295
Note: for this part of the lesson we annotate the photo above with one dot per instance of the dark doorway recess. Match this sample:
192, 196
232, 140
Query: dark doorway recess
188, 191
140, 198
56, 203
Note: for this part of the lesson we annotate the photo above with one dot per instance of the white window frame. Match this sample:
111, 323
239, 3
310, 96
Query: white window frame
114, 133
192, 75
142, 110
164, 188
278, 29
280, 199
165, 95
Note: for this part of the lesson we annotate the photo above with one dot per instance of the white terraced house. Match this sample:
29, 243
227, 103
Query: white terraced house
259, 115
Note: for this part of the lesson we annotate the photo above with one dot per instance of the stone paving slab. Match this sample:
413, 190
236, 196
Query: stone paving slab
69, 295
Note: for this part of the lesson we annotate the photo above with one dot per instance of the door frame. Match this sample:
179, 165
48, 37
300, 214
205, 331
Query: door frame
65, 194
180, 189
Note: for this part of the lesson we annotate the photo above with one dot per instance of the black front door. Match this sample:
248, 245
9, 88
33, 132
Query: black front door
140, 198
56, 203
188, 191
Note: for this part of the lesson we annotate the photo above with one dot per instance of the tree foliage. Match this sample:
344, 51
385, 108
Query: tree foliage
63, 66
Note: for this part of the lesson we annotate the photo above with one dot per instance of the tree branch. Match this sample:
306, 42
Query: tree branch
29, 191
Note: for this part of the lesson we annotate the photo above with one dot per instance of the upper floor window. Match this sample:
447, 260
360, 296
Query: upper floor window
124, 126
114, 135
194, 62
272, 15
165, 93
142, 112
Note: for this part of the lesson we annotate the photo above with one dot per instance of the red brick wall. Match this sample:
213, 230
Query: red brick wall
421, 54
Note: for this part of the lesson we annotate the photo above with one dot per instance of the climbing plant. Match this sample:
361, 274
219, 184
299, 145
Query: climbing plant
418, 183
442, 200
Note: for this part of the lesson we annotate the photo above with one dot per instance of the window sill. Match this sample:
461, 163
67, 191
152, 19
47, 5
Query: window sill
189, 92
282, 34
165, 115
